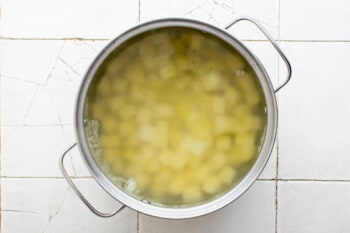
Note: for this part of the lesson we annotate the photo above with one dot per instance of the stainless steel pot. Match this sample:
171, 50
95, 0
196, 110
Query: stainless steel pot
205, 208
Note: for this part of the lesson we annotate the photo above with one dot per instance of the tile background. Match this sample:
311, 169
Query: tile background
46, 47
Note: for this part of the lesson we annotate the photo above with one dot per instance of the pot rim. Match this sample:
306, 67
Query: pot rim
200, 209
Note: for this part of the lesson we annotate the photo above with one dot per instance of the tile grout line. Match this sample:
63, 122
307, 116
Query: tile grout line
108, 39
277, 136
138, 222
259, 179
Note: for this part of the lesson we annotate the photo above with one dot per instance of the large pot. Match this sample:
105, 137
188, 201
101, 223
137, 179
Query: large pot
205, 208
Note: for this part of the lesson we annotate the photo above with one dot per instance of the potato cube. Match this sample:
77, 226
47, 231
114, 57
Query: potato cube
223, 142
191, 194
110, 141
109, 154
227, 174
211, 185
223, 125
108, 124
163, 110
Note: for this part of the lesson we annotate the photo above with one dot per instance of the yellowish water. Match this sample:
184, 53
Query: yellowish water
179, 116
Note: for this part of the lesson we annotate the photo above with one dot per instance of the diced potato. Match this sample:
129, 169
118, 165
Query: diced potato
252, 123
173, 123
163, 110
177, 184
128, 111
223, 143
219, 105
211, 185
223, 125
232, 96
120, 85
246, 83
110, 141
191, 193
109, 154
142, 181
212, 82
108, 124
201, 128
97, 110
217, 160
115, 104
252, 97
246, 139
117, 166
167, 72
105, 87
227, 174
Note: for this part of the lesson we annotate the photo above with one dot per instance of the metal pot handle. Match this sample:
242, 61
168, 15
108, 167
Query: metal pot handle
273, 42
76, 190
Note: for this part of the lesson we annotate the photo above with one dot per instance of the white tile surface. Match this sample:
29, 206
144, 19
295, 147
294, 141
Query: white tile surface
40, 74
41, 110
15, 93
314, 113
28, 60
313, 207
47, 205
219, 13
252, 212
61, 19
36, 155
315, 20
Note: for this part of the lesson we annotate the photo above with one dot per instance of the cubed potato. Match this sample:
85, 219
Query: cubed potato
104, 86
236, 62
252, 123
192, 193
108, 124
219, 105
212, 82
252, 97
245, 139
223, 125
227, 174
223, 142
109, 154
110, 141
127, 127
98, 110
167, 71
211, 185
127, 112
246, 83
142, 181
177, 184
146, 132
217, 160
163, 110
115, 103
232, 96
202, 172
117, 166
143, 115
120, 85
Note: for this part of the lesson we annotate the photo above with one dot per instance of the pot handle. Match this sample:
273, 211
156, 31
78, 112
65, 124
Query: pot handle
76, 190
273, 42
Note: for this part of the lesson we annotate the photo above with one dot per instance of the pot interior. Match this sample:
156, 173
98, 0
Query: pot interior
175, 117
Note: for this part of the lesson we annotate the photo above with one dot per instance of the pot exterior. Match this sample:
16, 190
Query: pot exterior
183, 212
